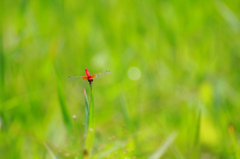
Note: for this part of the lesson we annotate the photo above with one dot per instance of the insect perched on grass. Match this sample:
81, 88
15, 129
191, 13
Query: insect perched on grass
89, 109
89, 77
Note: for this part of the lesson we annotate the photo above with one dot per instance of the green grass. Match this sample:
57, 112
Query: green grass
188, 56
91, 124
86, 112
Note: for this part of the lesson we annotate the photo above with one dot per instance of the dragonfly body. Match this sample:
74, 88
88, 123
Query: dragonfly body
88, 76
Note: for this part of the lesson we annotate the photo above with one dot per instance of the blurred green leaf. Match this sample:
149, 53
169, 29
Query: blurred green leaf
164, 147
63, 105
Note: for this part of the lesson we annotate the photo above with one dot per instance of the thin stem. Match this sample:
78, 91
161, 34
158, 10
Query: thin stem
92, 116
91, 127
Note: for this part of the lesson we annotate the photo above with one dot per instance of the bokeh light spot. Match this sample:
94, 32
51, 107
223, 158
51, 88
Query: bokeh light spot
134, 73
100, 60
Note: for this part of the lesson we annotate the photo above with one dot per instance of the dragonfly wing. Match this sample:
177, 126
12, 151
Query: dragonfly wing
100, 75
74, 78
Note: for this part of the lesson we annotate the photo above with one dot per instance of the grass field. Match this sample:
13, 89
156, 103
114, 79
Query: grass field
174, 90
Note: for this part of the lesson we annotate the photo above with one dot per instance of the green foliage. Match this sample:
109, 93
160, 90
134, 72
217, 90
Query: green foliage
175, 68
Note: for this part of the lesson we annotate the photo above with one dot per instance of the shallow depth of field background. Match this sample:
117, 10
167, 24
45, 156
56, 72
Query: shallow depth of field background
174, 86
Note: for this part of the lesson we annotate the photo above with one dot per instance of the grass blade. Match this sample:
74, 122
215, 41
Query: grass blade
91, 127
163, 148
126, 112
50, 151
111, 150
196, 146
86, 111
91, 112
63, 106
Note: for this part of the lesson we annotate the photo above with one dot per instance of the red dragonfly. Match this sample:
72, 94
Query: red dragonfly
89, 77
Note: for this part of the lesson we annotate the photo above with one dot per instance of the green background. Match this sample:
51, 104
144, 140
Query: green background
186, 103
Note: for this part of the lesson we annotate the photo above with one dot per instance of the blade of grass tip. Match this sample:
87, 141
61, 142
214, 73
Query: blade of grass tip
125, 112
196, 141
86, 111
111, 150
163, 148
91, 126
63, 106
50, 152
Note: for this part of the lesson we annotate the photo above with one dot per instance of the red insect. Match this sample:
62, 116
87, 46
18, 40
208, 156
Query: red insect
89, 77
